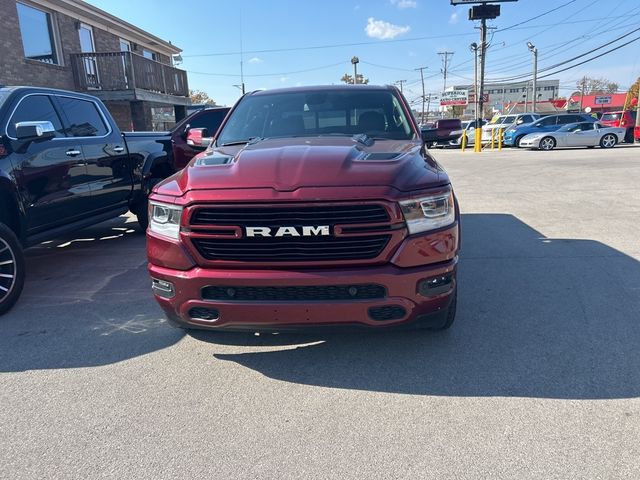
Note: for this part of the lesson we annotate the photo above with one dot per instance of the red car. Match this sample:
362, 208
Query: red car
636, 134
314, 207
626, 119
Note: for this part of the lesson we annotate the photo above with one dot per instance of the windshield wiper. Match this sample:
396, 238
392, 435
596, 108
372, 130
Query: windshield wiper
248, 141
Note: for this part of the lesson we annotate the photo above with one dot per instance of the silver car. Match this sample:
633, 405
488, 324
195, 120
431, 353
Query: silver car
584, 134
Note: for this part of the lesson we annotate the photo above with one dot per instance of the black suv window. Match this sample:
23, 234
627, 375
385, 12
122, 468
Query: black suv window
547, 121
35, 108
83, 117
564, 119
210, 120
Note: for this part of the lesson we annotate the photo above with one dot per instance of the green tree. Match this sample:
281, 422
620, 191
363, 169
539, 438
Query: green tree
199, 97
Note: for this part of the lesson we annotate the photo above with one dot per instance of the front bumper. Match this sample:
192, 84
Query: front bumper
401, 285
528, 143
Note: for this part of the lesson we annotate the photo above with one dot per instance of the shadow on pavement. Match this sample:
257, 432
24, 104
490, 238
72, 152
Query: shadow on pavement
537, 317
86, 302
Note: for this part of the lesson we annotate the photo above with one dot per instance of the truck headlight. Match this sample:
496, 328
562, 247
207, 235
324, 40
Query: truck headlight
164, 219
429, 212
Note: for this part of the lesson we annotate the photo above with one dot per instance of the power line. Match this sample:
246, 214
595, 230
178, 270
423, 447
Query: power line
266, 74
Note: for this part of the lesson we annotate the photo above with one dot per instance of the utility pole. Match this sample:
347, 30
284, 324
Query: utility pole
422, 80
638, 114
483, 55
445, 66
582, 87
400, 82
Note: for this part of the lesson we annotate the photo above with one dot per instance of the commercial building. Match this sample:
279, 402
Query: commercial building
499, 95
72, 45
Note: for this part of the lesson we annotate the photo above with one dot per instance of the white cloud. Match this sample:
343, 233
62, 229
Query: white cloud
384, 30
255, 60
453, 19
404, 3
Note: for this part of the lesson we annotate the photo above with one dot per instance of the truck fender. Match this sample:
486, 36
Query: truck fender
157, 165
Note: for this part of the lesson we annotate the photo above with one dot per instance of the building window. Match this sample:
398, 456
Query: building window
148, 54
36, 28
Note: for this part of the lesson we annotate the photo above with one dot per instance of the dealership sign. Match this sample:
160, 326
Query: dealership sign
602, 100
454, 97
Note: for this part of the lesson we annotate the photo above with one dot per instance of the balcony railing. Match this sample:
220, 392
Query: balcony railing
112, 71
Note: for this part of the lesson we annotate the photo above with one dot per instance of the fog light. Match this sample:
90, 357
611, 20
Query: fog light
162, 288
434, 286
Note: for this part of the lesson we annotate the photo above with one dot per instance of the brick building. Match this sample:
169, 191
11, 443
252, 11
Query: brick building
72, 45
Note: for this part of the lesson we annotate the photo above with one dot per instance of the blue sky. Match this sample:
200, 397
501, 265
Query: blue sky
391, 37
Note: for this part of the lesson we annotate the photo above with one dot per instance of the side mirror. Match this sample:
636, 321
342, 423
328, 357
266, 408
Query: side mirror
198, 138
35, 131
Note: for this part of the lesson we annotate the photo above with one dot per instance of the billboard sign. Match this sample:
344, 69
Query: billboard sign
454, 97
602, 99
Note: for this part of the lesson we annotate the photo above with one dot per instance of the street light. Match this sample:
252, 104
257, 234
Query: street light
474, 48
534, 50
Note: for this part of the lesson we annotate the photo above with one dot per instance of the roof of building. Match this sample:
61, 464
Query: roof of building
85, 12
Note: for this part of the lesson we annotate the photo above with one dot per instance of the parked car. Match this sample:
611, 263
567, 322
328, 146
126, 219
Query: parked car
550, 123
64, 165
625, 119
636, 134
469, 130
442, 131
504, 122
584, 134
294, 221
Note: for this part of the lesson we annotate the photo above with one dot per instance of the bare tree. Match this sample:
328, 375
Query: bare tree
198, 97
346, 78
593, 86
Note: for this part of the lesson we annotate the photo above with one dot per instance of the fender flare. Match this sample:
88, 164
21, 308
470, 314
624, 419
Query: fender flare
154, 160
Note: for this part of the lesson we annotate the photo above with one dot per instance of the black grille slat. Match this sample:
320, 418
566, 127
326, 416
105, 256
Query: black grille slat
270, 249
288, 215
387, 312
292, 294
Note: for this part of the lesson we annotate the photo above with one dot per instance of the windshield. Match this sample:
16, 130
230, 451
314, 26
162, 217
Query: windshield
376, 113
610, 116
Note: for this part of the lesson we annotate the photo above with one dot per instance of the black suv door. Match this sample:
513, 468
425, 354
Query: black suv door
51, 174
104, 152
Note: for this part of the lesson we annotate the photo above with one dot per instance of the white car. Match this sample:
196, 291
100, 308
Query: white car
583, 134
505, 121
469, 129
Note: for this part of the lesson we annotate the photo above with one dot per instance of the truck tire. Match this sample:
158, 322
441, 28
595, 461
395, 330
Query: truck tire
12, 269
428, 324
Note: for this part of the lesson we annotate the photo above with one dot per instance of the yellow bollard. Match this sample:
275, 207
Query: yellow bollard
463, 142
500, 140
477, 146
493, 138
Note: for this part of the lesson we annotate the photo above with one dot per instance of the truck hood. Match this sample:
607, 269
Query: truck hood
287, 164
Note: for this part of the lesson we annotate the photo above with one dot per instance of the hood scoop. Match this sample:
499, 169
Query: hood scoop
382, 155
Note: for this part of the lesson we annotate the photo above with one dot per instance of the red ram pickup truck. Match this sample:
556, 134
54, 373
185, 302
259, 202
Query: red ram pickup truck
313, 207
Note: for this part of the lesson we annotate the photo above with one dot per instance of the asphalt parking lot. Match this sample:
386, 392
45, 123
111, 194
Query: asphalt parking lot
538, 378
